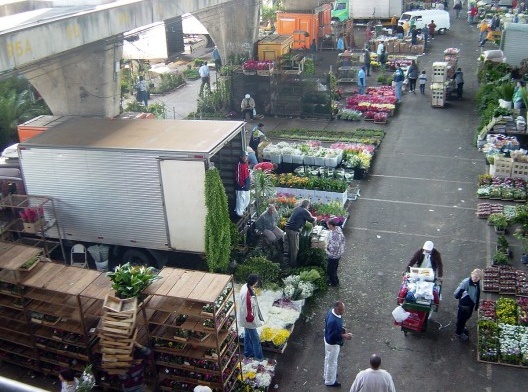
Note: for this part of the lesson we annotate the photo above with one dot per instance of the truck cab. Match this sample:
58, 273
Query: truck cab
340, 11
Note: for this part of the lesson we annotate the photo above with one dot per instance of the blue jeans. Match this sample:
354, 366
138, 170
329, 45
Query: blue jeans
361, 89
398, 89
252, 158
252, 347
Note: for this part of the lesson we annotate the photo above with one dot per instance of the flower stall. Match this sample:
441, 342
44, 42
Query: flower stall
503, 331
281, 309
376, 105
316, 189
499, 188
255, 67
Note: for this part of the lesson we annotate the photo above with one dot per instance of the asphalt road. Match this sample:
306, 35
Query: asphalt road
422, 187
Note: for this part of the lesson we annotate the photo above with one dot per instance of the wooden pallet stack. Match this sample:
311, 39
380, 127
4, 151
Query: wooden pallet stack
117, 334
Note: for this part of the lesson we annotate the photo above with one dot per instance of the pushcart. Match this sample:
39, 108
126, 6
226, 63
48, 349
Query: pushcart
419, 296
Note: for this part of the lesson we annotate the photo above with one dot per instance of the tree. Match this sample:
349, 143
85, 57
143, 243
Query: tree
17, 105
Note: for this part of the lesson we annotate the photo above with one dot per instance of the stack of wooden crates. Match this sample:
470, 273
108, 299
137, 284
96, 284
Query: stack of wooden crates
117, 333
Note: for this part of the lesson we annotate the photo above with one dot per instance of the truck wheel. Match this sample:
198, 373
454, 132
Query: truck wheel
441, 31
138, 257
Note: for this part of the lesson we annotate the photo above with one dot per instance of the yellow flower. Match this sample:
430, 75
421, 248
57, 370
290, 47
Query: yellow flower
281, 336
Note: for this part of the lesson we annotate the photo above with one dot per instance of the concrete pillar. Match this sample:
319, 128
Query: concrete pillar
233, 27
83, 82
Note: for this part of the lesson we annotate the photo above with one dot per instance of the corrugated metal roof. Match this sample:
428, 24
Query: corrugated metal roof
189, 136
516, 27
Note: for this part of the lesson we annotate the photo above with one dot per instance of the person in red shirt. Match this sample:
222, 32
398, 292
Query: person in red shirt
432, 28
242, 184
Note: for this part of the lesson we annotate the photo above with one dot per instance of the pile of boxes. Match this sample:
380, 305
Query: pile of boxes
394, 45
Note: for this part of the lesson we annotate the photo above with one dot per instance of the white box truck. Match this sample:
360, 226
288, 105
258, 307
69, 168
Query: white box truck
137, 186
360, 10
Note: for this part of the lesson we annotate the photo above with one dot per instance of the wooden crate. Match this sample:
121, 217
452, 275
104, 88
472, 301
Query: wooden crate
120, 305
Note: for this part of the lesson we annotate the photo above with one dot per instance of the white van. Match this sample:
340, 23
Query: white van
424, 17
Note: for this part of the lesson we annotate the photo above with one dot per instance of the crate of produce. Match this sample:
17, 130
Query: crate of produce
439, 72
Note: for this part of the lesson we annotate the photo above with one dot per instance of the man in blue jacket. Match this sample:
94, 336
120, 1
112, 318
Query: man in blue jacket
334, 337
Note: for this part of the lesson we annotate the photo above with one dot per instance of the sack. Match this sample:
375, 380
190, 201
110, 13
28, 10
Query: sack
400, 314
254, 111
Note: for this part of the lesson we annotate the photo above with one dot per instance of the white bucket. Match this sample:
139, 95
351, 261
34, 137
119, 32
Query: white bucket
101, 266
505, 104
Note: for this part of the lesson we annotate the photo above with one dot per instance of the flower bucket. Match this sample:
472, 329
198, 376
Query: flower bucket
276, 159
331, 161
319, 161
505, 104
309, 160
33, 227
287, 158
101, 266
298, 159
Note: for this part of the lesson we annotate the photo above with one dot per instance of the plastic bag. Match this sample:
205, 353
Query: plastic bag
400, 314
254, 112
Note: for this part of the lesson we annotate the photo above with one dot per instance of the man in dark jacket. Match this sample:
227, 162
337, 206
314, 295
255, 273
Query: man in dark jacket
334, 337
295, 224
428, 257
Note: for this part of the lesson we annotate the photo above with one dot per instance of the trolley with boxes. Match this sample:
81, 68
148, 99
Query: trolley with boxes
419, 295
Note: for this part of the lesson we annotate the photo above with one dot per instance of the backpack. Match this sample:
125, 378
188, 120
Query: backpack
398, 75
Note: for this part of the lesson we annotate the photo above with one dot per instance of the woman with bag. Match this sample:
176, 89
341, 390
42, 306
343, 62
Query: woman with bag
412, 75
468, 295
250, 318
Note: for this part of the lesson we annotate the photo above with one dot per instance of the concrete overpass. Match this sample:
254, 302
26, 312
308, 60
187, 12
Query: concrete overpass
71, 54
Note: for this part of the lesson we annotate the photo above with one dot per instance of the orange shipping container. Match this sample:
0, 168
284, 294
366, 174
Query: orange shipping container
37, 125
305, 26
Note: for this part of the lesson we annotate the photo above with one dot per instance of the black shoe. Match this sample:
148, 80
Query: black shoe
334, 385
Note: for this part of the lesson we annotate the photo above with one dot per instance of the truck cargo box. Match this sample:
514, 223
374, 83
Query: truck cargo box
132, 183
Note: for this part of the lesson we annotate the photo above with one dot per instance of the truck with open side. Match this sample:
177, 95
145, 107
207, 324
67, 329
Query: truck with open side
137, 186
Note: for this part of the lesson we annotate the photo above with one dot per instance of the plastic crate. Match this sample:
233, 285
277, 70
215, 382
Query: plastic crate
415, 321
502, 167
519, 170
438, 97
439, 72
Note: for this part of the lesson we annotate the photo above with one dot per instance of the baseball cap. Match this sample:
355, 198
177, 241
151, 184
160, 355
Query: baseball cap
428, 245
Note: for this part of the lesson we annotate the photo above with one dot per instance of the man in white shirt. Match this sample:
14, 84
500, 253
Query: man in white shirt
205, 75
373, 379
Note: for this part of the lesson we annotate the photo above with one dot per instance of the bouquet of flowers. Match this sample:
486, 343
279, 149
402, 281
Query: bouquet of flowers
296, 289
86, 381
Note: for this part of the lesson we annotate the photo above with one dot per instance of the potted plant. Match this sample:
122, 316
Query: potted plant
33, 219
505, 92
500, 258
499, 221
129, 281
503, 246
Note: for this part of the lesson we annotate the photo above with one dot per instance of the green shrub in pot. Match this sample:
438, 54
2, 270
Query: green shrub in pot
129, 281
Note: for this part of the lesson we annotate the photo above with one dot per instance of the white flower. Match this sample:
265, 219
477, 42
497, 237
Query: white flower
263, 379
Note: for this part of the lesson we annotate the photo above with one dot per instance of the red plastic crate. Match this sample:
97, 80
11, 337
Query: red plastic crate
415, 321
